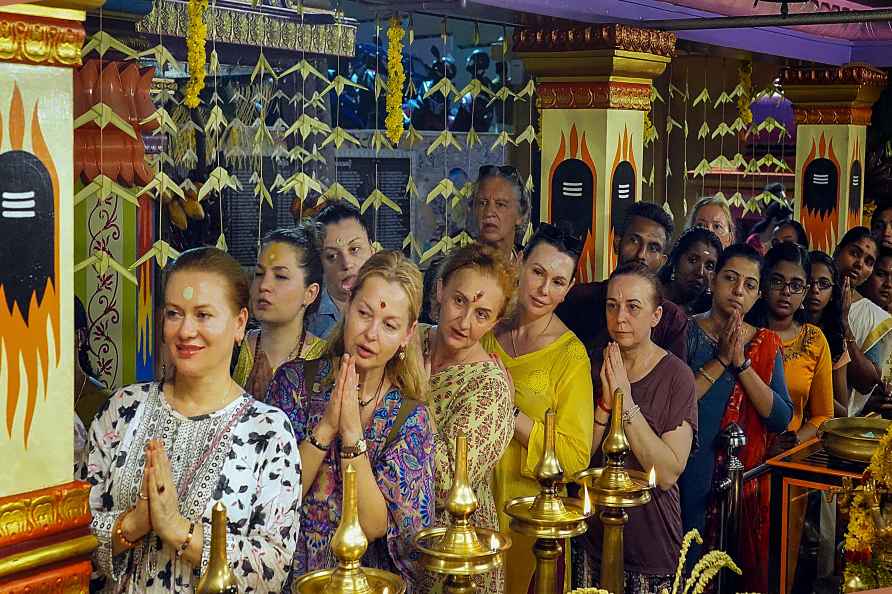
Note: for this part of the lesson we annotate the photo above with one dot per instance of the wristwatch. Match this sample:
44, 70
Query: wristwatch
358, 449
737, 370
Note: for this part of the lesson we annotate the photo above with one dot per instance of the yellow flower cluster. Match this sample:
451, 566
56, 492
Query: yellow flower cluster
195, 50
745, 98
396, 78
693, 535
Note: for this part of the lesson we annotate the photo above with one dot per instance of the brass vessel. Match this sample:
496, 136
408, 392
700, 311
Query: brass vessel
548, 516
349, 545
461, 550
219, 578
853, 438
615, 488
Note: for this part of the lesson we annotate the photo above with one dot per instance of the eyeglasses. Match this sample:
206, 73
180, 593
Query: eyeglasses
559, 237
508, 171
796, 286
823, 284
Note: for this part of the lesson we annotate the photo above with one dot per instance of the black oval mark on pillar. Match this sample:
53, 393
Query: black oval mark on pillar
572, 191
820, 186
622, 193
27, 230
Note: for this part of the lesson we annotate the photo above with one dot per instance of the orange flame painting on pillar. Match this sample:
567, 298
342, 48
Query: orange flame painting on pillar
622, 186
29, 229
820, 195
571, 195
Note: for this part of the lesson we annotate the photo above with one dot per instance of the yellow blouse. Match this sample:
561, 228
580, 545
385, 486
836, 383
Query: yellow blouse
808, 369
557, 377
313, 350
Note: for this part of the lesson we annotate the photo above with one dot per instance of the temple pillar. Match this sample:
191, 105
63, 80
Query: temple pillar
832, 106
44, 515
594, 88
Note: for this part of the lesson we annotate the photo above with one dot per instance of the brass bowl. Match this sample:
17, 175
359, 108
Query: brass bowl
434, 558
853, 438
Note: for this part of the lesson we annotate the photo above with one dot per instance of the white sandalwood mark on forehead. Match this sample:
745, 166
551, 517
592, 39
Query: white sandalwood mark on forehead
188, 293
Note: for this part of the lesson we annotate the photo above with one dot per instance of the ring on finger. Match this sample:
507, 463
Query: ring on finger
143, 497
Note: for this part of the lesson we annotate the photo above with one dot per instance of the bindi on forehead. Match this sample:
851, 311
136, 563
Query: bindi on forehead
188, 293
383, 304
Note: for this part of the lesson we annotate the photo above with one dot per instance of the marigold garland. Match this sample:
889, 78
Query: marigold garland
396, 78
195, 51
745, 99
865, 554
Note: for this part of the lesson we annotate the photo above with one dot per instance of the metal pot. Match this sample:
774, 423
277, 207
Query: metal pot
853, 438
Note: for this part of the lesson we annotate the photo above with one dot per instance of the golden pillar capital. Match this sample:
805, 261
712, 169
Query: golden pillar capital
44, 33
833, 95
594, 86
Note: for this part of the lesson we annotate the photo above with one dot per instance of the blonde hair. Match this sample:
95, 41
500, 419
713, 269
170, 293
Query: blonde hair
487, 261
407, 373
722, 203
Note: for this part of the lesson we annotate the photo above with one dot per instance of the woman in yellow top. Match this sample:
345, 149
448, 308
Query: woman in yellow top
550, 369
808, 365
285, 289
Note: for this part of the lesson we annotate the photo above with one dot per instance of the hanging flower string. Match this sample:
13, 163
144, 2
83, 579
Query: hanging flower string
195, 46
396, 78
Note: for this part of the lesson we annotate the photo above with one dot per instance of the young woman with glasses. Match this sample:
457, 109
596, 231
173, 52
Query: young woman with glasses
549, 368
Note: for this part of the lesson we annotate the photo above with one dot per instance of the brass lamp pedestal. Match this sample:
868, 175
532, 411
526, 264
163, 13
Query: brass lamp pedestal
548, 516
348, 545
461, 550
615, 488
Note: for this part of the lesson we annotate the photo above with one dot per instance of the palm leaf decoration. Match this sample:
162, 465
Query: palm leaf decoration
412, 137
162, 185
411, 188
103, 188
528, 135
412, 243
166, 123
216, 121
676, 92
305, 69
722, 130
501, 95
301, 184
655, 95
530, 185
262, 66
260, 189
307, 125
339, 83
218, 180
721, 162
702, 168
527, 90
444, 188
737, 200
474, 88
503, 139
162, 57
704, 131
102, 41
339, 136
101, 262
221, 243
161, 251
445, 139
377, 198
337, 192
379, 141
671, 123
444, 86
723, 98
703, 97
472, 138
103, 115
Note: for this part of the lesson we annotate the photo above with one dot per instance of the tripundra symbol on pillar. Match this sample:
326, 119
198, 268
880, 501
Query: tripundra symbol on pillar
572, 180
820, 193
29, 276
623, 184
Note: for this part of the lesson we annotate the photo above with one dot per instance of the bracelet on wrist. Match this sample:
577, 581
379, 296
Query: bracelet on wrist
354, 451
722, 363
603, 407
630, 414
516, 411
323, 447
119, 530
182, 548
707, 377
599, 423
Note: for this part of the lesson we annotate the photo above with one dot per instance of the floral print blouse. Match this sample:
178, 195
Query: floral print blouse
243, 455
404, 472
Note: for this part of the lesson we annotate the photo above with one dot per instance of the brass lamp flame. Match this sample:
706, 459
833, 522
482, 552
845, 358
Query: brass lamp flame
218, 578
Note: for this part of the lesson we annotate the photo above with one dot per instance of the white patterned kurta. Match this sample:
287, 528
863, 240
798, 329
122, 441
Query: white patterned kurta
244, 455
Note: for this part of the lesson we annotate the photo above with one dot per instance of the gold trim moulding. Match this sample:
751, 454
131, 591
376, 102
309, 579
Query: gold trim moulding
44, 512
19, 562
48, 12
256, 29
40, 40
594, 64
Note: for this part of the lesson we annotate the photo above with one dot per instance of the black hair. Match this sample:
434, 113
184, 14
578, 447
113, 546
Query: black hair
785, 252
882, 206
303, 242
559, 236
776, 211
854, 235
801, 235
641, 271
738, 250
651, 212
689, 238
337, 212
82, 325
830, 320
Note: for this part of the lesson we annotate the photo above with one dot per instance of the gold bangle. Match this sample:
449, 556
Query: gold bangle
708, 377
119, 530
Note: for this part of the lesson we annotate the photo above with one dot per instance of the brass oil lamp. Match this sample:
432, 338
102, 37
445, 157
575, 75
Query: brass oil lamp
548, 516
461, 550
218, 578
615, 488
349, 545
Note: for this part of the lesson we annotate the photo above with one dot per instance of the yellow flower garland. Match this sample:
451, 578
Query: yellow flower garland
195, 50
396, 78
745, 78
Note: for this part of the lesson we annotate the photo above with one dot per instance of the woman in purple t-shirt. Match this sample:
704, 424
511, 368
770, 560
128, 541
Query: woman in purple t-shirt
660, 422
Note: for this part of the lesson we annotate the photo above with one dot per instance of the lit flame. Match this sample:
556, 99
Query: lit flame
652, 477
586, 500
493, 542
